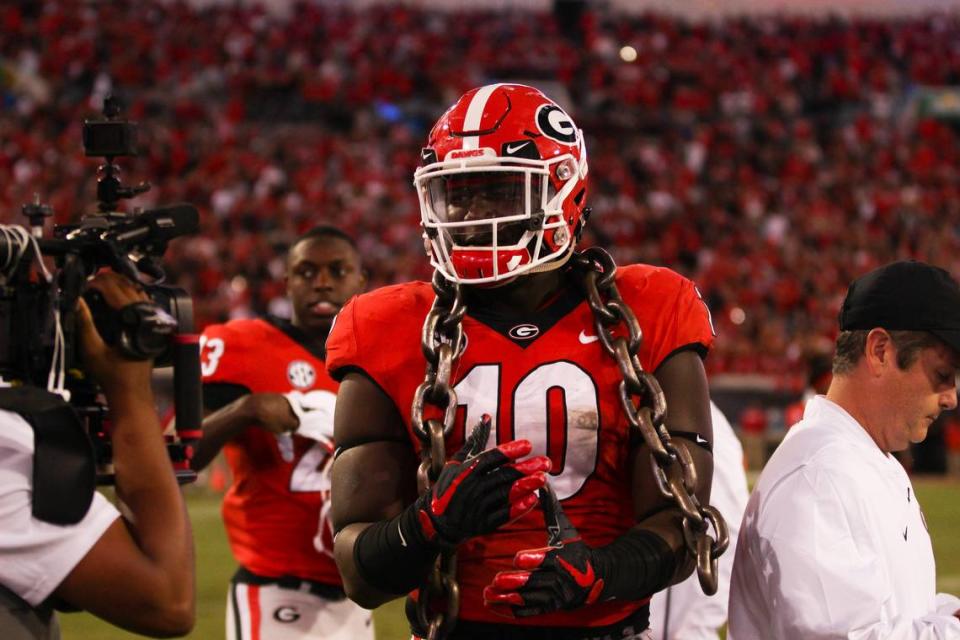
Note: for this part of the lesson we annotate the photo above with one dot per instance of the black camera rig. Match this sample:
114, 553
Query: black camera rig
38, 310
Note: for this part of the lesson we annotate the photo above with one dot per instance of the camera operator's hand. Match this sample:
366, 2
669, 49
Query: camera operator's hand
116, 374
140, 573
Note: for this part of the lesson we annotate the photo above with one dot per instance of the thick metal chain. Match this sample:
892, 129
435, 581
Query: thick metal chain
646, 408
441, 341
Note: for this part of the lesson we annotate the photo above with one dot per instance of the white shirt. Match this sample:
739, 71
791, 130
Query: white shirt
687, 613
36, 556
833, 543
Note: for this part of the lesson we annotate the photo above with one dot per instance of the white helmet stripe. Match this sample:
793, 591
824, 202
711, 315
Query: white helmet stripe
475, 113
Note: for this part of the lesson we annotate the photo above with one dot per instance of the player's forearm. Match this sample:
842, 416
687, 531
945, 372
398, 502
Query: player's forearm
662, 517
638, 564
646, 559
148, 488
378, 563
668, 525
219, 428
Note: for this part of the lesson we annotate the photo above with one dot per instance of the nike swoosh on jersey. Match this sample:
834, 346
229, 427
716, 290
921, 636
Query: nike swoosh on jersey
585, 339
403, 540
514, 149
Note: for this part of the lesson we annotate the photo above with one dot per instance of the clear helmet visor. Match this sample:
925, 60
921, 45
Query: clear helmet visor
471, 206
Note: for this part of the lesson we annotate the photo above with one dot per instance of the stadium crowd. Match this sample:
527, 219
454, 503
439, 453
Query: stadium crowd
770, 159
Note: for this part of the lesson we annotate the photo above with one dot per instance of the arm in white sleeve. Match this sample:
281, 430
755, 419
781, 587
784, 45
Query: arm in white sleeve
824, 570
688, 613
948, 605
729, 493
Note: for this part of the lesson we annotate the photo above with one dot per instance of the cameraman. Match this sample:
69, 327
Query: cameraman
135, 571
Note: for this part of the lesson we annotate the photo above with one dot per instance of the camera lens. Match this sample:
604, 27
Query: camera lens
146, 330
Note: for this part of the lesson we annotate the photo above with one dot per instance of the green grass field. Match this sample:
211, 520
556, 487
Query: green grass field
215, 565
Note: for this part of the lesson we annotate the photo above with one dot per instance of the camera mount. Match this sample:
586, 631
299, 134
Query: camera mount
111, 137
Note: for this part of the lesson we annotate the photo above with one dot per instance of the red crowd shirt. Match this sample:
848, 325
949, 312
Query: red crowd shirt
545, 378
272, 509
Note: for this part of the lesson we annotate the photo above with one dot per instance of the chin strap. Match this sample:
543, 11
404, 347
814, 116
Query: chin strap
556, 263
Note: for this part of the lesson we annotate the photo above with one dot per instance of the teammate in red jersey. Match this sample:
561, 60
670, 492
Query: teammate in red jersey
272, 401
502, 190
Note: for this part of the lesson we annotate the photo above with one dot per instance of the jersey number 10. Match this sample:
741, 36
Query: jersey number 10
555, 406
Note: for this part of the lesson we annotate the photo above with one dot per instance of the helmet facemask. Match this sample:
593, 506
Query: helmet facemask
488, 219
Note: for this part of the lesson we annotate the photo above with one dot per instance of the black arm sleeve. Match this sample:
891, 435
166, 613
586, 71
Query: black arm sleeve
634, 566
217, 395
392, 555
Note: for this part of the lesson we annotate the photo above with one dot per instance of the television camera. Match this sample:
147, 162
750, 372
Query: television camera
38, 308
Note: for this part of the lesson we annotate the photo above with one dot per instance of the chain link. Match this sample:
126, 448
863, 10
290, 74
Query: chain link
646, 408
442, 340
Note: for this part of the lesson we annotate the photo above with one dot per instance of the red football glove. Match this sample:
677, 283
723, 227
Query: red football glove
480, 491
559, 576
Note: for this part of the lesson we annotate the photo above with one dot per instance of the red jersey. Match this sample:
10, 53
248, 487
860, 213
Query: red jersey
544, 377
272, 509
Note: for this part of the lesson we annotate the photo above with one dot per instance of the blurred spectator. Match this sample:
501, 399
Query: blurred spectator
819, 366
770, 159
753, 427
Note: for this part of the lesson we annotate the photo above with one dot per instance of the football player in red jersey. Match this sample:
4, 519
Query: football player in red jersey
272, 402
536, 345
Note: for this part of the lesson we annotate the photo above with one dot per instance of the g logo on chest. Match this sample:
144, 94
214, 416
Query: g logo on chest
524, 331
301, 374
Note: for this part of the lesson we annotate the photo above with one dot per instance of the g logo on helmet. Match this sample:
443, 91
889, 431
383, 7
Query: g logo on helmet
554, 123
286, 614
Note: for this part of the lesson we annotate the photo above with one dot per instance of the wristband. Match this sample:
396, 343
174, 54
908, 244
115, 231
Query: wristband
393, 555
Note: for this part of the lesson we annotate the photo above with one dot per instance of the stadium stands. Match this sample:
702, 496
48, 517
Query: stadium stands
770, 159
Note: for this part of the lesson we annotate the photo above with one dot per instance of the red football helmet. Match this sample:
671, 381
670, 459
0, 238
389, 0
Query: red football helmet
502, 185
